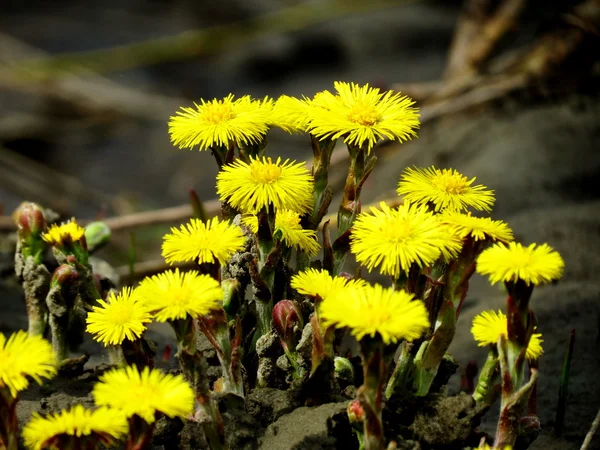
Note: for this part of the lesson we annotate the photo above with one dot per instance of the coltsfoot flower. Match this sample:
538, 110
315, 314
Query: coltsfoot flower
203, 242
22, 356
263, 183
318, 283
175, 295
217, 123
535, 264
373, 310
478, 228
86, 427
290, 114
289, 230
144, 393
394, 239
362, 115
122, 316
490, 325
444, 189
65, 233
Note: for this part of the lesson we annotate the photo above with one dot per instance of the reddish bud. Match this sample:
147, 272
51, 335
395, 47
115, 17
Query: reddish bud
30, 219
286, 317
356, 413
63, 276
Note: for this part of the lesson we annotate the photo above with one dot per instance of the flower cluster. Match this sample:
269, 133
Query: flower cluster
274, 240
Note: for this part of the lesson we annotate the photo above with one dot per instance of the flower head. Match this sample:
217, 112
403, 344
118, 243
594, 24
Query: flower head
204, 242
318, 283
121, 317
144, 393
394, 239
536, 264
175, 295
290, 114
102, 425
288, 230
263, 183
372, 310
219, 122
490, 325
478, 228
444, 189
63, 234
363, 115
23, 356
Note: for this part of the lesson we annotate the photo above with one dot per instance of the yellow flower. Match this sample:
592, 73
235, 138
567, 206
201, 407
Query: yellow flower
363, 115
175, 295
122, 317
88, 428
144, 394
23, 356
444, 189
203, 242
490, 325
289, 230
372, 310
251, 187
219, 122
394, 239
287, 224
318, 283
478, 228
251, 221
290, 114
64, 233
536, 264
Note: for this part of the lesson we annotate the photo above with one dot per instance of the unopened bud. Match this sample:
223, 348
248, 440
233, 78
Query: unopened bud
31, 223
355, 412
30, 219
343, 370
63, 276
231, 294
97, 234
286, 317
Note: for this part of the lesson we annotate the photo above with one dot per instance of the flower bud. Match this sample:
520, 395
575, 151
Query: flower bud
231, 295
355, 412
63, 276
343, 370
287, 316
30, 219
31, 223
97, 234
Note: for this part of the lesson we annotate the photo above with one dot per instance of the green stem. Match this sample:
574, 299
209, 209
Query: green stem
116, 356
370, 393
485, 391
322, 151
350, 204
194, 368
403, 370
434, 350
